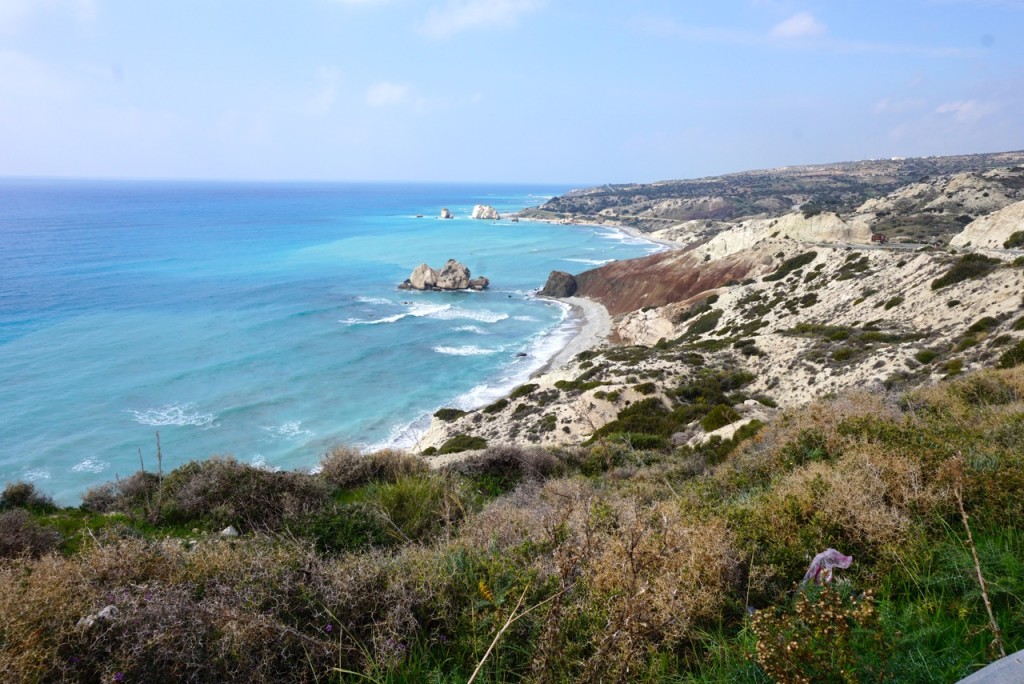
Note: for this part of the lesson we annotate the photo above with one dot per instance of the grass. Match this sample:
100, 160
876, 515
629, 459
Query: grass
627, 560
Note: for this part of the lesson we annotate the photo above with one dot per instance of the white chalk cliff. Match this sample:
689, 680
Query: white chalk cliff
993, 230
822, 228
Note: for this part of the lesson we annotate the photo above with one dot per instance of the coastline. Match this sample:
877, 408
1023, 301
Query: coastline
594, 326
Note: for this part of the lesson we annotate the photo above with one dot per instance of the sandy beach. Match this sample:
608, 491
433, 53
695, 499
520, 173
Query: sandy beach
593, 327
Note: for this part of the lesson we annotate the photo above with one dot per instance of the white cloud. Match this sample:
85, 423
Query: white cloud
800, 25
386, 93
14, 13
899, 105
464, 15
967, 111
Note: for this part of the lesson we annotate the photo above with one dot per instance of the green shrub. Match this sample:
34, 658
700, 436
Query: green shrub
842, 354
350, 527
1014, 356
983, 325
460, 443
449, 414
926, 356
24, 495
496, 407
790, 265
523, 391
966, 267
1015, 240
719, 417
704, 324
416, 507
895, 301
645, 388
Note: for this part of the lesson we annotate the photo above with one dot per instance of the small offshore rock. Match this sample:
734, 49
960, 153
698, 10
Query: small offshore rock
559, 284
485, 212
479, 283
445, 214
229, 531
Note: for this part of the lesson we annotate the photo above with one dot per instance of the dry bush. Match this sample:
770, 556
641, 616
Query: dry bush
124, 496
20, 535
223, 491
660, 576
226, 611
806, 434
344, 467
24, 495
508, 465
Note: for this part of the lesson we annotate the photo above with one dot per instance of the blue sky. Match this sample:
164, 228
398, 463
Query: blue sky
573, 91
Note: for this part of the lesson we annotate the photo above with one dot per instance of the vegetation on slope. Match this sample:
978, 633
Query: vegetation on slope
609, 562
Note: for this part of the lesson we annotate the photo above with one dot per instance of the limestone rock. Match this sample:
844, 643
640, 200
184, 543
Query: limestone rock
559, 284
445, 214
453, 276
229, 531
993, 230
423, 278
485, 212
821, 228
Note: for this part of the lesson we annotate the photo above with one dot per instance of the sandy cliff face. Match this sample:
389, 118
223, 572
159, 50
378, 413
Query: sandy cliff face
838, 318
994, 230
822, 228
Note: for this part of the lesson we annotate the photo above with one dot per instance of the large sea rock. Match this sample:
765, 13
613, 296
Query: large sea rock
452, 276
559, 284
485, 212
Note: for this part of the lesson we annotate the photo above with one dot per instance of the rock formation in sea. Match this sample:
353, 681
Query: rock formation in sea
559, 284
445, 214
485, 212
452, 276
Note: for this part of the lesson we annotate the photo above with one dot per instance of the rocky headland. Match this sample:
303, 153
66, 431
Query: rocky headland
796, 303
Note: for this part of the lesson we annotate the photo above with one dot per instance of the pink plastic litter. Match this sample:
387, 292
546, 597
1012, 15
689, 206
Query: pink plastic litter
822, 565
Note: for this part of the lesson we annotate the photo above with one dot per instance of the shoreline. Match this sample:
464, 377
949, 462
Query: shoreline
594, 325
593, 328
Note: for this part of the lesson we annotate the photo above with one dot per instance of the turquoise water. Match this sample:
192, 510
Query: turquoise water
258, 320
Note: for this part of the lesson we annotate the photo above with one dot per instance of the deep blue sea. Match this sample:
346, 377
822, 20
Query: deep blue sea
259, 320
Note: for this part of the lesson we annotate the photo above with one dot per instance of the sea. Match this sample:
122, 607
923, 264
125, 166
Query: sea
260, 320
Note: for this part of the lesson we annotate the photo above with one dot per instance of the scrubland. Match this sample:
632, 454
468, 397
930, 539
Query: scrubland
605, 562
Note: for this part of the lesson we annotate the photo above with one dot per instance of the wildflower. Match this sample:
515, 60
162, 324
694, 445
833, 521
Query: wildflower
119, 676
328, 628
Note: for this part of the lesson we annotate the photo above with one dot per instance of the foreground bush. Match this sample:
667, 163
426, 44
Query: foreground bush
608, 563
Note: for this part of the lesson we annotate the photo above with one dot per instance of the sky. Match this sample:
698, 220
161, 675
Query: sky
533, 91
